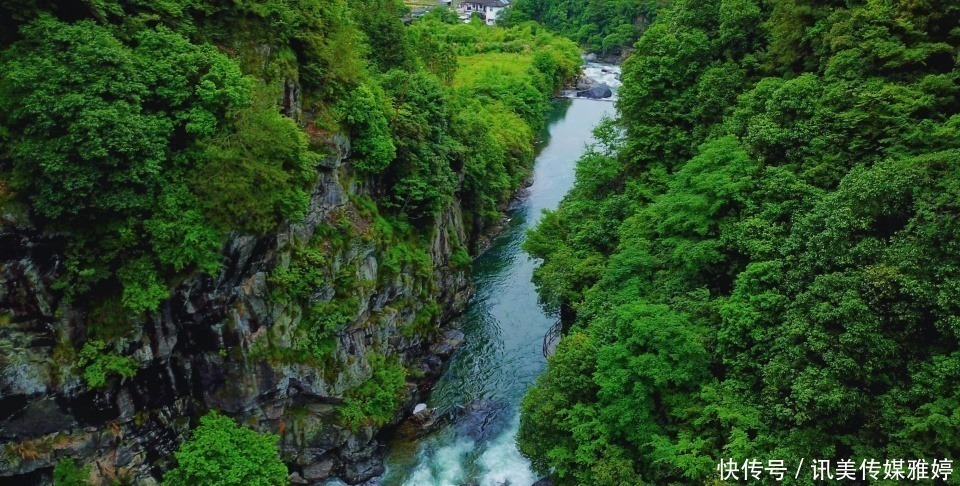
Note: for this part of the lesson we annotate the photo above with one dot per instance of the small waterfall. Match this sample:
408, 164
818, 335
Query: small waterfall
608, 74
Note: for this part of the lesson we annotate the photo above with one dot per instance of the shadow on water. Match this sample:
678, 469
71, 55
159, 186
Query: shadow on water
505, 326
555, 112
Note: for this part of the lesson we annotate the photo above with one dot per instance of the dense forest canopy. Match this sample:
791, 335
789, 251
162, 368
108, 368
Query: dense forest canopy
762, 254
161, 122
607, 26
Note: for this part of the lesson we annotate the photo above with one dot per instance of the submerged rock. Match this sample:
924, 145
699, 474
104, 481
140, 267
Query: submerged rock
449, 342
481, 419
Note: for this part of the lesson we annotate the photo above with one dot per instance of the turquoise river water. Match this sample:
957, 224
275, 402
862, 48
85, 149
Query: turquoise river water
504, 327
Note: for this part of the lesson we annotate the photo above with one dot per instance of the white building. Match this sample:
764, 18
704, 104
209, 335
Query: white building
489, 9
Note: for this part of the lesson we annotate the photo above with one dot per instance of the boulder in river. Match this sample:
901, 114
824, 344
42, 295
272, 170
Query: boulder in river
432, 366
451, 340
423, 417
584, 83
597, 92
420, 423
590, 57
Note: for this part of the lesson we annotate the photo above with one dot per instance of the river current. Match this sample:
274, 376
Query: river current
505, 326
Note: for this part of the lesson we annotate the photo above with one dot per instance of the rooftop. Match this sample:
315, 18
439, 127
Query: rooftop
487, 3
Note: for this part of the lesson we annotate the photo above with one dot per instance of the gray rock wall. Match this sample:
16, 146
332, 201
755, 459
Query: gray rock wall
199, 352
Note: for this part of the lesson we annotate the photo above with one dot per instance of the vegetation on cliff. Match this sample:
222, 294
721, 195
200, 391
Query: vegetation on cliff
221, 453
761, 254
142, 137
68, 473
129, 115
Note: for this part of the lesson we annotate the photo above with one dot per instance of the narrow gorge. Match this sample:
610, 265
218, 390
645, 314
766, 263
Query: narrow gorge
468, 433
264, 211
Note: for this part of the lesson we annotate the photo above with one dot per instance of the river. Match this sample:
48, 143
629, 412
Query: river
504, 327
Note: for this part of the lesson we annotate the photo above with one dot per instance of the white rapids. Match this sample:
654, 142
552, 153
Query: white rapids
608, 74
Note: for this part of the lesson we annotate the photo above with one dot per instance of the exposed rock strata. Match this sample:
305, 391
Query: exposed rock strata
199, 352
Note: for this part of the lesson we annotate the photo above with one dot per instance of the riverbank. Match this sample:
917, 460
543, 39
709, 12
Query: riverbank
480, 389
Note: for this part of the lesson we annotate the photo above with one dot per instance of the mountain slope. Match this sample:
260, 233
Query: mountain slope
760, 259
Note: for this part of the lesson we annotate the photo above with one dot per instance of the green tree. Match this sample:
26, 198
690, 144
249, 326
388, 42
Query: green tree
221, 453
601, 25
374, 402
389, 46
364, 111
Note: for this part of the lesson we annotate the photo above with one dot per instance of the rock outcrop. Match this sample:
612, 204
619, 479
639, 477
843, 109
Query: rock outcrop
596, 92
207, 347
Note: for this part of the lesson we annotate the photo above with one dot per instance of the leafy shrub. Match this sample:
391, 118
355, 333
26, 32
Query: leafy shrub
461, 259
98, 365
322, 320
221, 453
422, 324
305, 274
68, 473
375, 401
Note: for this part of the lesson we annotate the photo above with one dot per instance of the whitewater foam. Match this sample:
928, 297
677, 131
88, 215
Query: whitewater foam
443, 467
503, 463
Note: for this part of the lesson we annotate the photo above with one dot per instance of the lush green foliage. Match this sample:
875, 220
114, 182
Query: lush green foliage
599, 25
420, 178
445, 98
499, 93
68, 473
257, 176
167, 136
364, 111
221, 453
132, 102
375, 401
98, 365
761, 256
388, 44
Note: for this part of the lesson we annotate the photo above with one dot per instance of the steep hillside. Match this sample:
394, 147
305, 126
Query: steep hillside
606, 26
761, 259
262, 208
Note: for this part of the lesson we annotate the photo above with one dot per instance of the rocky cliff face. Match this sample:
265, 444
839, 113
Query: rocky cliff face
203, 350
